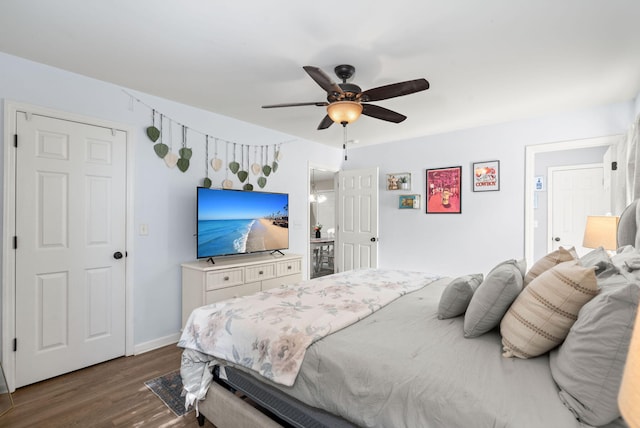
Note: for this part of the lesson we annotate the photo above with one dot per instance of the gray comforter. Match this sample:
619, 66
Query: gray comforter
402, 367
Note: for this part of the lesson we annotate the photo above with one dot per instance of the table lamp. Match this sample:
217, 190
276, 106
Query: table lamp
601, 231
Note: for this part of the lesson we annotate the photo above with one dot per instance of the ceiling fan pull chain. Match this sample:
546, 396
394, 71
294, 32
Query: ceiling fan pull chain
344, 144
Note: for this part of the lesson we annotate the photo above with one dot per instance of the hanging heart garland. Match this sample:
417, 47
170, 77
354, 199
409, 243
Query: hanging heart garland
266, 168
216, 163
226, 183
152, 132
255, 166
207, 181
243, 174
170, 159
248, 186
160, 148
234, 166
262, 180
274, 165
185, 152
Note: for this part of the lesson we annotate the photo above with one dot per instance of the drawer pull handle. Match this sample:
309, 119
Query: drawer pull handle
260, 273
289, 267
226, 278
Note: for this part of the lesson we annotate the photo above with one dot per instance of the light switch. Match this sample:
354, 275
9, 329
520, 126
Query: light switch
144, 230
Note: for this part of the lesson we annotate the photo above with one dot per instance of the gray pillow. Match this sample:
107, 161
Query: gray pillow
457, 295
588, 366
493, 298
599, 259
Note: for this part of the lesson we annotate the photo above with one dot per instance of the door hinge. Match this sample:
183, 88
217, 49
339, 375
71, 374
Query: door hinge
15, 344
15, 242
15, 140
614, 166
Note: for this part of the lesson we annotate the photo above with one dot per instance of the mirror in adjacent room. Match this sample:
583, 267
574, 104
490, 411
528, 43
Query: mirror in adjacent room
322, 222
6, 400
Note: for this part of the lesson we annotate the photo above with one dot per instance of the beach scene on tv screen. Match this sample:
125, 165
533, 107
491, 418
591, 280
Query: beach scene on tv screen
236, 222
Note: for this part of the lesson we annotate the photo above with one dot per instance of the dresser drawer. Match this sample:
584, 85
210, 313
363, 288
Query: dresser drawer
288, 267
224, 278
230, 292
281, 281
260, 272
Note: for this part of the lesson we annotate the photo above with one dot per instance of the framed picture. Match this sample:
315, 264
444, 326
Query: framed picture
399, 181
486, 176
409, 202
443, 190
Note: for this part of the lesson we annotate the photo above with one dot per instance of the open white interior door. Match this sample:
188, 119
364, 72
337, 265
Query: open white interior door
358, 219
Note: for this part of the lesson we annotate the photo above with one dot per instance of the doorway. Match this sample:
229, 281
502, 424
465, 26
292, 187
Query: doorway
322, 222
535, 195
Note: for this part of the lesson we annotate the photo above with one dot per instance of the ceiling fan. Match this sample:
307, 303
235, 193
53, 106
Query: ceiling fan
346, 101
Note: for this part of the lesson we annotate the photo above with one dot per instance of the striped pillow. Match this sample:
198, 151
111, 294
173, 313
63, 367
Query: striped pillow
547, 262
540, 318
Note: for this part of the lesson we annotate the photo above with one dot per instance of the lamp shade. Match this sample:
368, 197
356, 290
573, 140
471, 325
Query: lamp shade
344, 111
629, 396
601, 232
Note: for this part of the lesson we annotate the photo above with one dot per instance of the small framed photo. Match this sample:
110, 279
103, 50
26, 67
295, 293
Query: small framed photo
399, 181
409, 202
444, 190
486, 176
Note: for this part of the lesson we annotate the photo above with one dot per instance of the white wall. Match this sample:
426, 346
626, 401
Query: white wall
490, 228
164, 198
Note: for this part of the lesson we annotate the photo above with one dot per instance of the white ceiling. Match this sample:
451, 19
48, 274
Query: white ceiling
488, 61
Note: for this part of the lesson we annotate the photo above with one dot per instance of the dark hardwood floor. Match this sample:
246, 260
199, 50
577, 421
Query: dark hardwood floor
110, 394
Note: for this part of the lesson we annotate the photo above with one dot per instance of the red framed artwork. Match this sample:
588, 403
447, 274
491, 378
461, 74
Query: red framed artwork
444, 190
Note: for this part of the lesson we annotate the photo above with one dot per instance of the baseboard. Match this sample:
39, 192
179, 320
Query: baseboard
141, 348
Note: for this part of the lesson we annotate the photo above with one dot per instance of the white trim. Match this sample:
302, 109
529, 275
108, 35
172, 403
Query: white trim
161, 342
11, 108
529, 187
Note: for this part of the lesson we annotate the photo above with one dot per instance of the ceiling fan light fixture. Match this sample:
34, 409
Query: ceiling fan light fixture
344, 111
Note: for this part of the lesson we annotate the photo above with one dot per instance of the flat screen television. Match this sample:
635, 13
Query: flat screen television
240, 222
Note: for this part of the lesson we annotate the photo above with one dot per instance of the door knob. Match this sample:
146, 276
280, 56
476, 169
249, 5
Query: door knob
117, 255
374, 239
557, 239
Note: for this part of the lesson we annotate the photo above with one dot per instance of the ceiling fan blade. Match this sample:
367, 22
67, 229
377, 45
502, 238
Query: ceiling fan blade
322, 79
382, 113
313, 103
394, 90
325, 123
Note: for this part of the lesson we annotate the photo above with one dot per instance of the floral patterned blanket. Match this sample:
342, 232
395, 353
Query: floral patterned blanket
269, 331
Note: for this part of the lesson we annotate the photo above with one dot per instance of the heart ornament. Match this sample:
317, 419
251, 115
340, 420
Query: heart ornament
242, 176
255, 168
183, 164
153, 133
262, 181
216, 164
234, 167
161, 150
227, 184
171, 159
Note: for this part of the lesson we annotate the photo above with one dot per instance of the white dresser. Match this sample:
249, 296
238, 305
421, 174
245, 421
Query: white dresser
204, 283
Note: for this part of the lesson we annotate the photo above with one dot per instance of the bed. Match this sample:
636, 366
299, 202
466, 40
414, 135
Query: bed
409, 359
